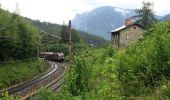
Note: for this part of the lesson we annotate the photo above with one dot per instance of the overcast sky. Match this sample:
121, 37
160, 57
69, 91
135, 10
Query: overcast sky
57, 11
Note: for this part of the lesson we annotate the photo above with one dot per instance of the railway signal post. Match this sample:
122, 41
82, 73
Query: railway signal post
70, 43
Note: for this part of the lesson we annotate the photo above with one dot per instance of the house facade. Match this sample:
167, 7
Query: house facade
123, 36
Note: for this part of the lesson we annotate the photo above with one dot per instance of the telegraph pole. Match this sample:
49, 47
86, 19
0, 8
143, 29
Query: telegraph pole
70, 43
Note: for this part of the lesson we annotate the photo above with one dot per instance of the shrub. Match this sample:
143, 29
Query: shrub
143, 65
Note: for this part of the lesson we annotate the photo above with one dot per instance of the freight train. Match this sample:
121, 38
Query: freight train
54, 56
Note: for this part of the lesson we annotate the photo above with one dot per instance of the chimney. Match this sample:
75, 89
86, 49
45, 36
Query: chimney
128, 21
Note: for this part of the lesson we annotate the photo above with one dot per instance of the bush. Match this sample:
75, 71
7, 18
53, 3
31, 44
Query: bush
143, 65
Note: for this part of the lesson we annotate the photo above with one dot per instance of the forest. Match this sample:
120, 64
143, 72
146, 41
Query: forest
18, 50
17, 38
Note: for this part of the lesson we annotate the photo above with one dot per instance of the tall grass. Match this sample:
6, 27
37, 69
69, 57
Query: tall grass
15, 72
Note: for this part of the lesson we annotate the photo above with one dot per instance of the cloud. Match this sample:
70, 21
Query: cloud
58, 11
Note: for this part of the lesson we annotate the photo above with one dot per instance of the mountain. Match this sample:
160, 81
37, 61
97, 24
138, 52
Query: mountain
165, 18
56, 29
101, 20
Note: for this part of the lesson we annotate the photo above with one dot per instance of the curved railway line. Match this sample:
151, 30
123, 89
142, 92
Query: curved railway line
55, 84
48, 79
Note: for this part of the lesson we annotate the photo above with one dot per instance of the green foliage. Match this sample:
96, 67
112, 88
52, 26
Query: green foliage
137, 72
165, 90
64, 34
15, 72
18, 39
6, 96
145, 16
47, 40
91, 39
91, 76
140, 71
51, 43
61, 31
79, 76
142, 66
46, 94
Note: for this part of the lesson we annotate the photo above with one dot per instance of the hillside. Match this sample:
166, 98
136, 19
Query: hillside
18, 39
56, 29
18, 50
101, 20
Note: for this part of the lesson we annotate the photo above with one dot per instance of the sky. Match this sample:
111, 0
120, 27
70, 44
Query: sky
59, 11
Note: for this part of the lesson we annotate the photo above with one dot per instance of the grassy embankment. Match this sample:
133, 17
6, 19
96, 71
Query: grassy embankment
15, 72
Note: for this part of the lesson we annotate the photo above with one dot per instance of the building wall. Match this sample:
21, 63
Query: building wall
127, 36
130, 35
115, 40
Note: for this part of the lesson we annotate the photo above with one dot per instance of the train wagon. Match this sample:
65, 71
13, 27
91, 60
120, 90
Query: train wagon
55, 56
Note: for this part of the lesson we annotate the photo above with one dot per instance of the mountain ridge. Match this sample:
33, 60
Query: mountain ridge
102, 20
165, 18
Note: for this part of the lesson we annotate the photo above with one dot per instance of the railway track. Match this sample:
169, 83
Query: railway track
55, 85
29, 88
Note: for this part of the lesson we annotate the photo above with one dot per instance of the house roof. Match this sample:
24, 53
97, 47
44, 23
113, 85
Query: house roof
124, 27
118, 29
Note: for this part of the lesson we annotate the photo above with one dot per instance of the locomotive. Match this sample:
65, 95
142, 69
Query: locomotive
55, 56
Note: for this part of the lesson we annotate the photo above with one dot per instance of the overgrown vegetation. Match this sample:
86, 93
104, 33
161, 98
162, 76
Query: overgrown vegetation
144, 65
19, 42
140, 71
15, 72
18, 39
91, 76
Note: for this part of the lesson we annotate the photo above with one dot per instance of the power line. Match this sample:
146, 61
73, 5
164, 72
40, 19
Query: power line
50, 34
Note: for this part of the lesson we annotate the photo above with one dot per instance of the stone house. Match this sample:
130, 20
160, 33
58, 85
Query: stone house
124, 35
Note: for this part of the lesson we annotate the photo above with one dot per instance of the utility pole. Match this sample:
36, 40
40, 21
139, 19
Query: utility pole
70, 43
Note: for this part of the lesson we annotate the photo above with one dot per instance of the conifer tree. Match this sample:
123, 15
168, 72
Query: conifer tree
64, 34
145, 15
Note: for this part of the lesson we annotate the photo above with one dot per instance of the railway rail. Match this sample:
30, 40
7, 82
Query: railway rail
29, 88
55, 85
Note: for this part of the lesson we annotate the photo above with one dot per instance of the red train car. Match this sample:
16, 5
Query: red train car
55, 56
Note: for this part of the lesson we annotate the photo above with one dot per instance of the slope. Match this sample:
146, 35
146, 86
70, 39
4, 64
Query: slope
56, 29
